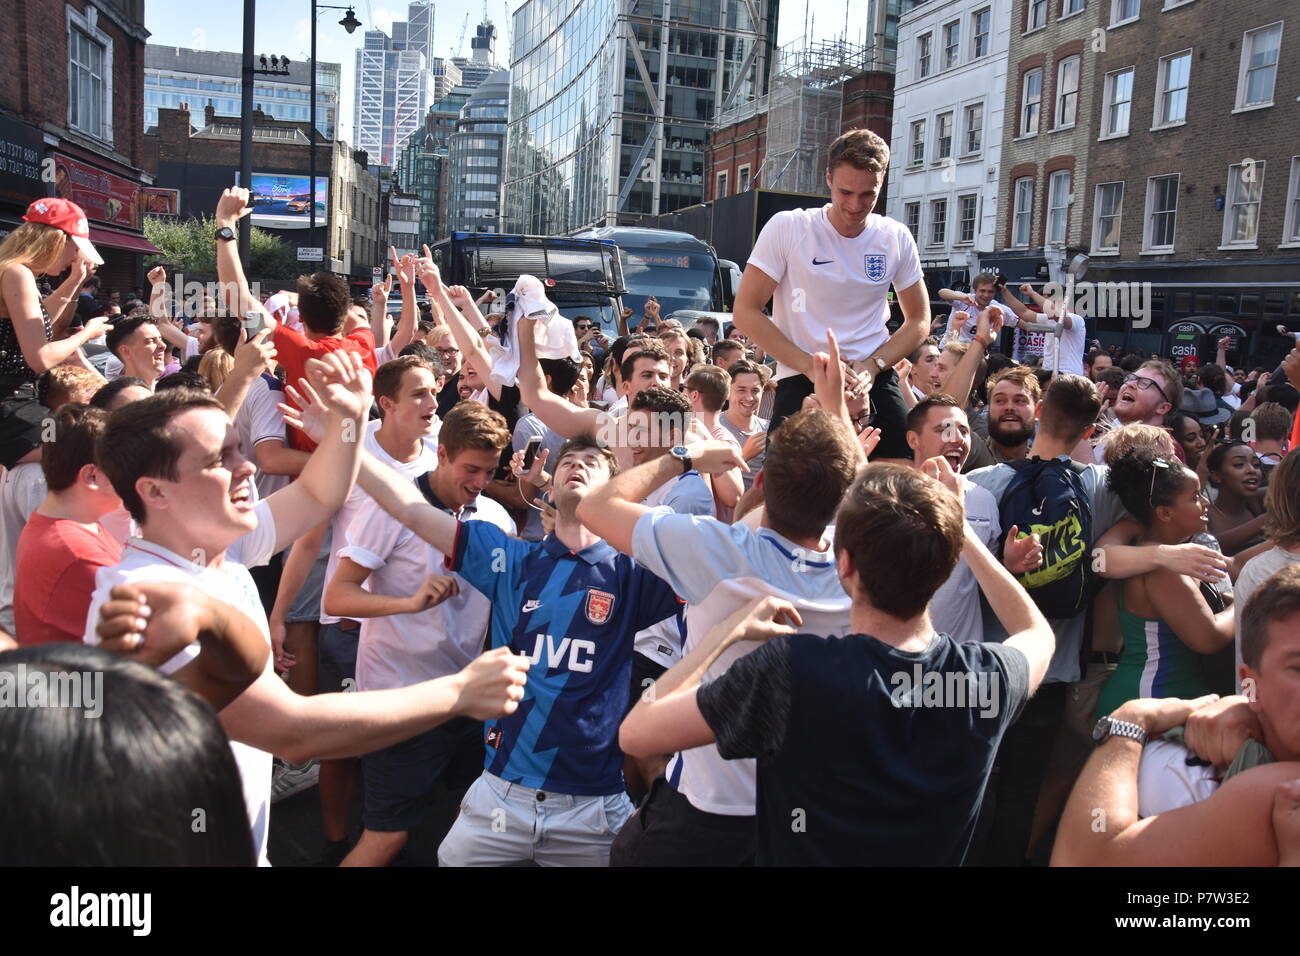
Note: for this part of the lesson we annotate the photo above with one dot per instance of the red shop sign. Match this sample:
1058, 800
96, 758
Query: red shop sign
105, 197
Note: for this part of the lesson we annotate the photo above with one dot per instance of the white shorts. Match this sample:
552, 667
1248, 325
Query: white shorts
504, 823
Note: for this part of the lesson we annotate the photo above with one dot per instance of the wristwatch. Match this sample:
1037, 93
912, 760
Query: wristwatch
681, 454
880, 363
226, 233
1109, 726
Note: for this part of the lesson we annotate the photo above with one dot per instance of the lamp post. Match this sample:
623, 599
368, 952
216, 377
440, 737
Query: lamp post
350, 24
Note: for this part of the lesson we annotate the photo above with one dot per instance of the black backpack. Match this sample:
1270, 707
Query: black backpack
1047, 498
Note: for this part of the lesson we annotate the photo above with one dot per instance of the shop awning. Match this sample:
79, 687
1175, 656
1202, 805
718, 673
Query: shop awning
117, 239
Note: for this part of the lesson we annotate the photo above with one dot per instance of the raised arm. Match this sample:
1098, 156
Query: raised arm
1023, 312
23, 303
612, 510
557, 413
61, 303
158, 308
756, 288
379, 293
252, 358
988, 326
232, 207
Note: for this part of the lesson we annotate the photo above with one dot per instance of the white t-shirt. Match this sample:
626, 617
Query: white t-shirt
259, 420
967, 332
716, 569
955, 607
230, 583
825, 280
1255, 572
1166, 781
1072, 342
426, 461
399, 650
22, 489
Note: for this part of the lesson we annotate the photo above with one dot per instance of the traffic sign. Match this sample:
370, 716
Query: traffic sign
311, 254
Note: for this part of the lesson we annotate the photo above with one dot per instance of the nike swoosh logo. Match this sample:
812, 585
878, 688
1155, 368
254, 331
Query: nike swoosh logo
821, 262
531, 606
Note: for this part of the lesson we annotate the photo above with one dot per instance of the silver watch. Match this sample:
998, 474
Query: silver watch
1109, 726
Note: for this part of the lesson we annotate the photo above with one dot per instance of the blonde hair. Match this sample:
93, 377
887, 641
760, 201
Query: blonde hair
1146, 441
34, 245
215, 366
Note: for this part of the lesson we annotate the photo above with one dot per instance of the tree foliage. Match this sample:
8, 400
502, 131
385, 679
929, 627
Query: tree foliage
189, 246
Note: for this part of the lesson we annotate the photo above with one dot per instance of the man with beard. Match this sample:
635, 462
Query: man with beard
1147, 396
1013, 398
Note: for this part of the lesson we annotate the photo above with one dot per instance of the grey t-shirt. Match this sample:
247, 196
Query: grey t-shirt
756, 463
955, 607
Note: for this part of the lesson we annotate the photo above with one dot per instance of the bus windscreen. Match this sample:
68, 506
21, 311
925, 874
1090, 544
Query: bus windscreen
678, 280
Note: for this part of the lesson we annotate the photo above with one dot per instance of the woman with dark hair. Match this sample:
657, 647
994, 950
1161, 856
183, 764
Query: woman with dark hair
138, 773
1187, 432
1237, 515
1167, 620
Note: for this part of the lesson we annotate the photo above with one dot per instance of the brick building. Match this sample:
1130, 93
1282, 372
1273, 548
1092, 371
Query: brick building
737, 147
1194, 173
71, 122
200, 164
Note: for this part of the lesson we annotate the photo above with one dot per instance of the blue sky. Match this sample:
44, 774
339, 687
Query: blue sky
283, 27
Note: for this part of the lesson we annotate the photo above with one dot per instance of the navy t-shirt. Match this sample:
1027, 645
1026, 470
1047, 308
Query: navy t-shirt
867, 755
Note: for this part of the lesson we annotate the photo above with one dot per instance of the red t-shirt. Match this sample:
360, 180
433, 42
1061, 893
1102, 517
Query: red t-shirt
56, 563
293, 349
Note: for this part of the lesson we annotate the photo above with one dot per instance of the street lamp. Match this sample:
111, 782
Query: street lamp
350, 24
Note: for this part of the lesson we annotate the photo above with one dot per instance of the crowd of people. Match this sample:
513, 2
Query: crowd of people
794, 590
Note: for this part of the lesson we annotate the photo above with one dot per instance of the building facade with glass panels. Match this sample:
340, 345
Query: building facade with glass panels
476, 155
612, 100
176, 75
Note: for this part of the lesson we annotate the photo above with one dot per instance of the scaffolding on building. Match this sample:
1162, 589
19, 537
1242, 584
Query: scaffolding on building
805, 104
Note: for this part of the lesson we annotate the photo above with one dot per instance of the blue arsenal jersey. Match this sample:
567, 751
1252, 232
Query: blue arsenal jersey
575, 616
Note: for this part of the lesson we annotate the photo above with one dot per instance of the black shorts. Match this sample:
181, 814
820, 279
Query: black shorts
886, 399
400, 779
669, 830
22, 420
336, 658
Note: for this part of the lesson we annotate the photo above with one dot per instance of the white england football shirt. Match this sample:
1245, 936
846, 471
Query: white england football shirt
825, 280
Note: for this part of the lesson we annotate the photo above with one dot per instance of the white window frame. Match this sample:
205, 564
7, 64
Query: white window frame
1018, 210
1061, 93
1162, 79
1040, 5
1247, 42
1115, 9
967, 149
916, 232
743, 179
1059, 212
917, 139
1231, 203
88, 23
1066, 12
975, 53
1108, 103
1174, 4
974, 220
1291, 221
1024, 103
951, 44
1097, 231
940, 221
939, 154
1148, 212
924, 55
720, 184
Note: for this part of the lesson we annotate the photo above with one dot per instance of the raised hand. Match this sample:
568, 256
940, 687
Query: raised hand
536, 475
254, 356
311, 416
232, 206
157, 276
869, 438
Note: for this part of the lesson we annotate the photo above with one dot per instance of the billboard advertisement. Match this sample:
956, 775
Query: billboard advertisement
105, 197
283, 201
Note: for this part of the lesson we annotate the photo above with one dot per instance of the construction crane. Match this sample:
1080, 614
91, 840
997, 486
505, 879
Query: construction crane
460, 44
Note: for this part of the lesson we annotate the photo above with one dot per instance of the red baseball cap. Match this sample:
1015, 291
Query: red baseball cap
69, 217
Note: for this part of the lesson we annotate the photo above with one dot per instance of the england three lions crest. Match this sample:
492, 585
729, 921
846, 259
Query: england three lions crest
599, 605
875, 266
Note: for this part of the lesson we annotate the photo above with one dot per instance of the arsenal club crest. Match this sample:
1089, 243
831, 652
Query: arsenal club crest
875, 265
599, 605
